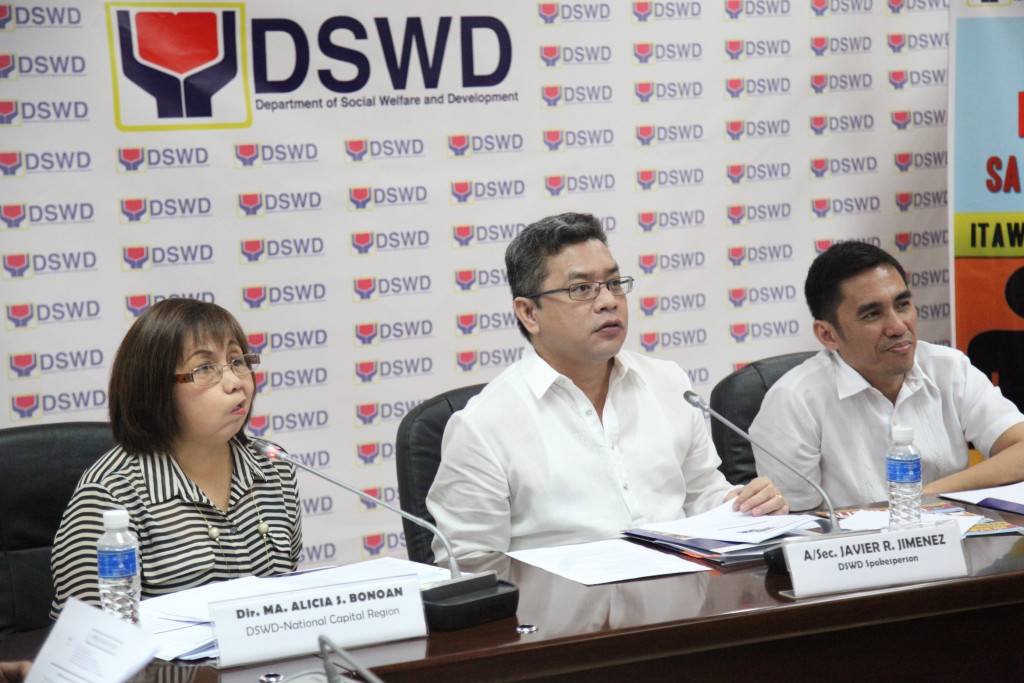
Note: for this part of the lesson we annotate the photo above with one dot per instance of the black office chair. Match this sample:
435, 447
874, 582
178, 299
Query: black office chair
418, 455
39, 468
738, 397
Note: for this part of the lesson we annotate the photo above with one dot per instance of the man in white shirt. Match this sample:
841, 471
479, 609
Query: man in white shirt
831, 417
578, 440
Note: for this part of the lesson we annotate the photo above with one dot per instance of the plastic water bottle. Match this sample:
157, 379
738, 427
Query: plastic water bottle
117, 555
903, 472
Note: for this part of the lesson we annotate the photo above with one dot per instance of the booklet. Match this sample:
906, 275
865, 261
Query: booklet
1009, 498
722, 535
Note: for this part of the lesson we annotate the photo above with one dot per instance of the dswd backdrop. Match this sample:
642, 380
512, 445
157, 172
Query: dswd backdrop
344, 177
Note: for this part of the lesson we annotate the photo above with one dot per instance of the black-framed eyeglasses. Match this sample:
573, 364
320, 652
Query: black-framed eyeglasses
211, 373
585, 291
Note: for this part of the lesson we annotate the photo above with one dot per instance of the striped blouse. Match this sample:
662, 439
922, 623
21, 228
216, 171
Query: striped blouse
170, 516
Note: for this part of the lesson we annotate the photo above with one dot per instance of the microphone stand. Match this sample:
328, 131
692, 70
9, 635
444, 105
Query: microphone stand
452, 605
327, 646
695, 400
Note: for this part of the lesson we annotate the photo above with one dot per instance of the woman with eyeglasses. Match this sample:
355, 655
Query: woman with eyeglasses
205, 504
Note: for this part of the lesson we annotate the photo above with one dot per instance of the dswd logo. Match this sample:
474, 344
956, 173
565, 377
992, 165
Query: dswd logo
468, 235
400, 330
259, 425
137, 304
262, 297
145, 257
14, 66
922, 239
369, 288
474, 323
368, 198
472, 361
377, 545
674, 339
652, 135
374, 453
652, 221
650, 12
903, 161
144, 209
464, 145
369, 242
22, 216
141, 159
361, 150
673, 303
550, 54
15, 266
8, 112
823, 245
468, 191
649, 341
399, 368
21, 265
15, 112
263, 250
30, 315
565, 185
28, 406
469, 279
32, 365
12, 164
255, 155
573, 12
178, 66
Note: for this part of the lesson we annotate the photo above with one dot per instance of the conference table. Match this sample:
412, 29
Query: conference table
716, 626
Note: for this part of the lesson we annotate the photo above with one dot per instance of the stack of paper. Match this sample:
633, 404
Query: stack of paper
723, 536
1008, 498
605, 561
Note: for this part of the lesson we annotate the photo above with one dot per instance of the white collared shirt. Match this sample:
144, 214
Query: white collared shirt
528, 463
824, 418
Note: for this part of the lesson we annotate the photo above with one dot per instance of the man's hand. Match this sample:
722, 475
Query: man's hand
14, 672
759, 497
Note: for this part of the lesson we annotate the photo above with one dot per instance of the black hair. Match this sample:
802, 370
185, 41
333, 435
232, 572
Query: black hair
143, 417
526, 258
836, 265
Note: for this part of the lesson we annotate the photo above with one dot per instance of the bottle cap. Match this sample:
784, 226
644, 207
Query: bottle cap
115, 519
903, 434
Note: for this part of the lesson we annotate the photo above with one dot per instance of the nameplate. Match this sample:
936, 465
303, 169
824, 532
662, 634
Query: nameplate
286, 624
847, 562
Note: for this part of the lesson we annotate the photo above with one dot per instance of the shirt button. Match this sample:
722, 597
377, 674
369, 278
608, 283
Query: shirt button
589, 412
625, 487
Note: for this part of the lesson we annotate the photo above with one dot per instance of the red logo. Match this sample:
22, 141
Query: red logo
178, 66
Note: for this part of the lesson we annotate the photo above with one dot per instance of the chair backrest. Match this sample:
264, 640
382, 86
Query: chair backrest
418, 455
39, 468
738, 397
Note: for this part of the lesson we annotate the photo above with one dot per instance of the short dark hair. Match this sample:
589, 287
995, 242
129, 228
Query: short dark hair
526, 258
836, 265
142, 413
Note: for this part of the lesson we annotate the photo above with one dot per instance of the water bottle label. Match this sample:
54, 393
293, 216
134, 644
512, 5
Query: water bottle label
903, 471
117, 564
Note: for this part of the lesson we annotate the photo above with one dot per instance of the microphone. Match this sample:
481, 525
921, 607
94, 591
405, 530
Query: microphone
327, 646
452, 605
694, 399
